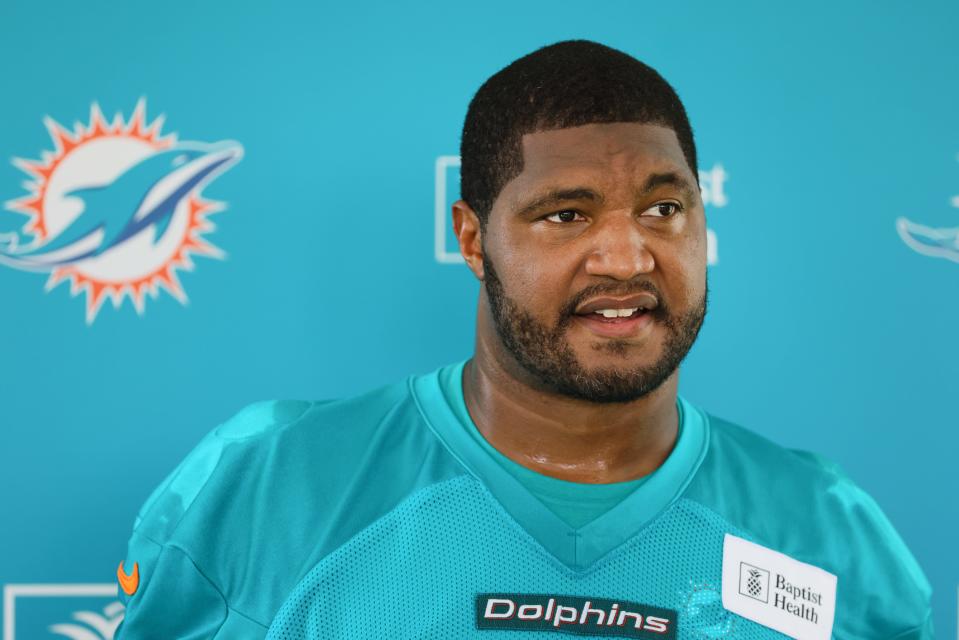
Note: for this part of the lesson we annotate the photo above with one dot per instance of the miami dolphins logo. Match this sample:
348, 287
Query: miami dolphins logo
116, 209
940, 242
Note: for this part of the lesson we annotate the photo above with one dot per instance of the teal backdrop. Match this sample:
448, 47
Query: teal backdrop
828, 136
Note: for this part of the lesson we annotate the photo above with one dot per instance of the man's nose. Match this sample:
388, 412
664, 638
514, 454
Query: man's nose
620, 250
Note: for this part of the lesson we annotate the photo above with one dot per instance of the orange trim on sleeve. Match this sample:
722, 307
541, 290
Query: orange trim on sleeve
129, 583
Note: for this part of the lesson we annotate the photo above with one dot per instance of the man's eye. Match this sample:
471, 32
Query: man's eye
563, 216
664, 209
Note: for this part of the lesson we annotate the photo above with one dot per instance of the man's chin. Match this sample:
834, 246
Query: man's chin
610, 385
614, 371
616, 353
622, 376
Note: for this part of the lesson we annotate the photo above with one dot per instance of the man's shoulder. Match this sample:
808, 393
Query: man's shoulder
805, 506
731, 442
763, 487
263, 439
267, 419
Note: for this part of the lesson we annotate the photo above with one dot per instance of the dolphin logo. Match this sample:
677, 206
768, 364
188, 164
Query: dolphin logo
942, 242
930, 241
116, 208
146, 194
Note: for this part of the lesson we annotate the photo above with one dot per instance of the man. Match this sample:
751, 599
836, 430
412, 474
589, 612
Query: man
554, 482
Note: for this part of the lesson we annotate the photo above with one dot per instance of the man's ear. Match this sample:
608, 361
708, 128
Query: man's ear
466, 226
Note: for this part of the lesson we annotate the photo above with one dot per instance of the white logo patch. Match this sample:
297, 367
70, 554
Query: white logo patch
770, 588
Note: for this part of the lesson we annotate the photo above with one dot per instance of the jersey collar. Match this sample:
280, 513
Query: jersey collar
439, 397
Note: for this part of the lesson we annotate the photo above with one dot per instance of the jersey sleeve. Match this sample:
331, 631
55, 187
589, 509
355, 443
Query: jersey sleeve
168, 597
166, 591
922, 632
887, 590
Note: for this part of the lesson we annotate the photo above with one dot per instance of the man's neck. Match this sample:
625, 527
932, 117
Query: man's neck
566, 438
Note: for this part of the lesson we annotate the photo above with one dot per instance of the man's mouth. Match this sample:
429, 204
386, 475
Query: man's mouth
618, 317
616, 314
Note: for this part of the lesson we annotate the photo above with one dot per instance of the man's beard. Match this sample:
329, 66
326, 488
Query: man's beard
545, 353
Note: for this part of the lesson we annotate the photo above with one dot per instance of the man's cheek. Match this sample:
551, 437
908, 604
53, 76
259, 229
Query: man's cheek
534, 289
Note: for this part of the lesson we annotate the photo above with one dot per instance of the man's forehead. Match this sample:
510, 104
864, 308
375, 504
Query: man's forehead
606, 145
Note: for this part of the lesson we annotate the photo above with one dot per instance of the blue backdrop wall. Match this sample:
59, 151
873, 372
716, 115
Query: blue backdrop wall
307, 260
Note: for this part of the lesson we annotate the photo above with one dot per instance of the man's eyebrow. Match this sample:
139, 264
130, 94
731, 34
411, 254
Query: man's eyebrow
670, 178
557, 195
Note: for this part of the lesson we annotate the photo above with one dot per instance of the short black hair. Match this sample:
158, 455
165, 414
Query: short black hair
566, 84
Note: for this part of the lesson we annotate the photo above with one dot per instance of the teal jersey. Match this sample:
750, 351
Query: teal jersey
388, 516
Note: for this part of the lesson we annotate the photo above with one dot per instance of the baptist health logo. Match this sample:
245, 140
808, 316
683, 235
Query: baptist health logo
753, 582
115, 209
27, 611
931, 241
445, 249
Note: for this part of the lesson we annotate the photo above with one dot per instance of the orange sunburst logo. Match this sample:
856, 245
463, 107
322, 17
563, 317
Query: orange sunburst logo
115, 209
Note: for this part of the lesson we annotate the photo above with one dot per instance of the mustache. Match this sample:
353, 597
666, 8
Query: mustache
624, 289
